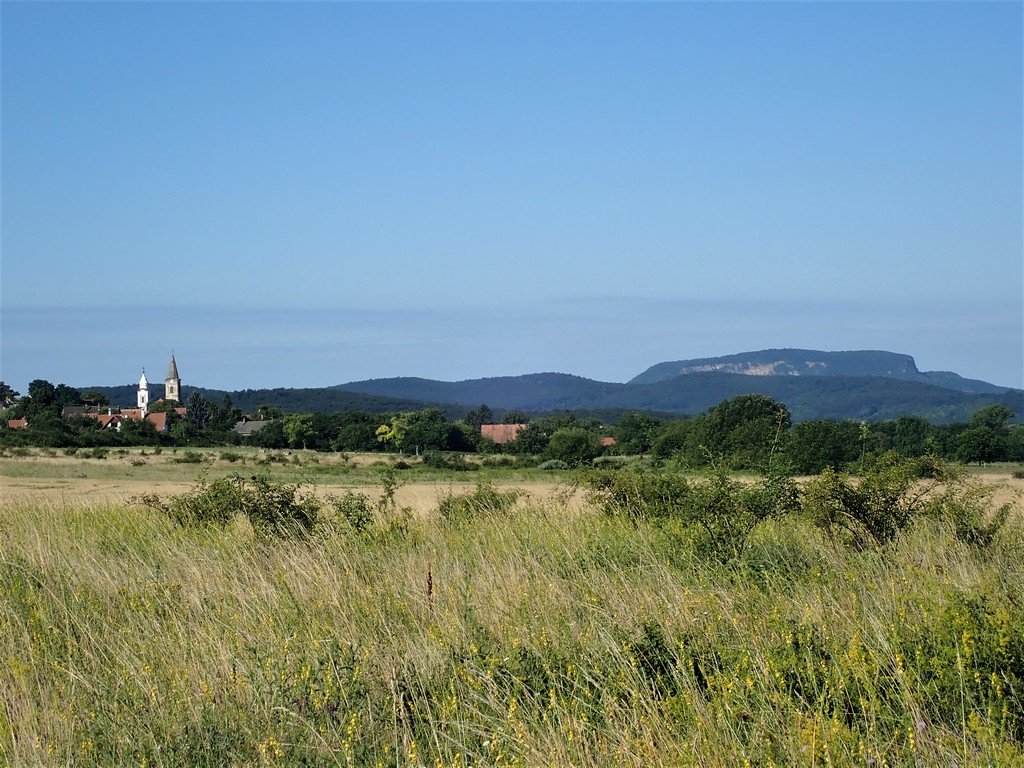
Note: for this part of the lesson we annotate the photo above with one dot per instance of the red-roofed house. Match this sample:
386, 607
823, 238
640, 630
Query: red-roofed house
159, 421
501, 433
17, 423
607, 442
108, 420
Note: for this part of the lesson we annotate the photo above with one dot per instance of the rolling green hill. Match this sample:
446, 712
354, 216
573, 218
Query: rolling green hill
813, 385
807, 397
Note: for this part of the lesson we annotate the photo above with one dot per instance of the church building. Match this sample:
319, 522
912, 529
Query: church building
172, 391
172, 388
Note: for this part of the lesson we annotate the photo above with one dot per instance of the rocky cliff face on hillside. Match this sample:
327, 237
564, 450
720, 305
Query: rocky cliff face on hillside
807, 362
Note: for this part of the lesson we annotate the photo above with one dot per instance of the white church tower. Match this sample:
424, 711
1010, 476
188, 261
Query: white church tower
143, 394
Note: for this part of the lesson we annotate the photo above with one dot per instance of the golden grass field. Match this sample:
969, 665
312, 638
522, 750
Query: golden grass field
121, 477
547, 634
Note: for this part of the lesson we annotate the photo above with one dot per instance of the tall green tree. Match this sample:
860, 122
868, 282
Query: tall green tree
197, 413
7, 394
515, 417
745, 430
912, 436
65, 395
573, 446
298, 429
635, 433
428, 430
996, 417
95, 398
813, 446
482, 414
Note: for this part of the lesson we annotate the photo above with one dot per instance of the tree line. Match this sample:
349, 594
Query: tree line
749, 431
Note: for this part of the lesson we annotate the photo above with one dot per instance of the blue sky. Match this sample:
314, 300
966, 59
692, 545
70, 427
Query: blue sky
304, 194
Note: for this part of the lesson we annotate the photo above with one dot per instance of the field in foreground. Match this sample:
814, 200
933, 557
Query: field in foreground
544, 634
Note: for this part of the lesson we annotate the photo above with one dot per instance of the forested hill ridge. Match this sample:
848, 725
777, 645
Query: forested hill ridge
290, 400
807, 397
810, 362
869, 386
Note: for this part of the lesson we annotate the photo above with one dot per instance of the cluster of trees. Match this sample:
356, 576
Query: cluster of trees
745, 432
749, 431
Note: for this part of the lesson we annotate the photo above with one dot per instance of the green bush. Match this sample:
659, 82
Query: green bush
611, 462
355, 509
970, 659
639, 495
278, 509
573, 446
499, 461
450, 462
552, 465
188, 457
969, 507
718, 513
273, 509
878, 509
484, 500
207, 503
724, 511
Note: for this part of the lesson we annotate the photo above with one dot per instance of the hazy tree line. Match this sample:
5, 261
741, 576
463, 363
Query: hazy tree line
744, 432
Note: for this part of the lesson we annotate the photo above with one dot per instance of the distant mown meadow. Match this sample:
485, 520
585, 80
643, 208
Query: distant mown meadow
636, 615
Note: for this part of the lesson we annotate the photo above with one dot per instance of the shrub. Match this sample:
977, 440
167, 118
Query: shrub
485, 499
272, 508
573, 446
272, 458
552, 465
207, 503
1017, 474
611, 462
71, 450
638, 495
231, 456
278, 509
355, 509
879, 508
969, 507
498, 461
188, 457
725, 511
718, 512
449, 462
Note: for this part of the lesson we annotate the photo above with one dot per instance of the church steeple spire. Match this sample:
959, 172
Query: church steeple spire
143, 396
172, 384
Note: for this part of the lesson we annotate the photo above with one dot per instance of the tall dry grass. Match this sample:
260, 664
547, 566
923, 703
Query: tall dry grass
544, 635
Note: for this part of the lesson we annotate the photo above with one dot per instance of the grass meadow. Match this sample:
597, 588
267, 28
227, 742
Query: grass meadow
539, 633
